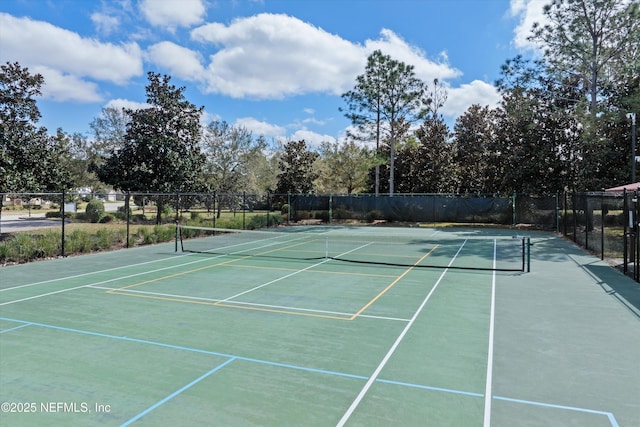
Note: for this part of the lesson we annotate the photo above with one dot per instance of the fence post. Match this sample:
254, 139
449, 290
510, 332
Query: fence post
268, 208
602, 216
575, 218
331, 209
515, 209
625, 230
557, 212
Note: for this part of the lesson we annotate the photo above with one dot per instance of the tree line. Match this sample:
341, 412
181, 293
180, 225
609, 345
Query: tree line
561, 125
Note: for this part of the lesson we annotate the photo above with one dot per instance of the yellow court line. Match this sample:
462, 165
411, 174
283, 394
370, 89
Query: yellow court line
202, 268
374, 299
297, 313
344, 273
220, 304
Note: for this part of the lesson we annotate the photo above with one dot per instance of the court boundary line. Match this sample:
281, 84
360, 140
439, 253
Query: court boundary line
177, 392
610, 416
14, 328
173, 255
187, 297
489, 379
395, 345
228, 303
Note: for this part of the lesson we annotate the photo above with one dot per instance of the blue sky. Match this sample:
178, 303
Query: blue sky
275, 67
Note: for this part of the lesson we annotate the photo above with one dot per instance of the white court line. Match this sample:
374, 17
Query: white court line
139, 264
109, 280
395, 345
290, 274
214, 300
488, 389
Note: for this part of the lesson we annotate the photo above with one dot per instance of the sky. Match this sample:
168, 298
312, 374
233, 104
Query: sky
276, 67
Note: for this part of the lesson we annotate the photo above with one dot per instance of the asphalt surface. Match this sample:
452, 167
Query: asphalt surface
12, 222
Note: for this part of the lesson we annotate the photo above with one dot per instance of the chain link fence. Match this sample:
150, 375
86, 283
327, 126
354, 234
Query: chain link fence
604, 223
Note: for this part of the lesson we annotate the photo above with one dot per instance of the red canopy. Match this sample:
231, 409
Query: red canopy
628, 187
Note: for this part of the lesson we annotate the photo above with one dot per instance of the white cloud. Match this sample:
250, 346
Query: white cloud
125, 103
528, 12
64, 87
173, 13
181, 62
393, 45
67, 53
273, 56
258, 127
105, 24
312, 139
476, 92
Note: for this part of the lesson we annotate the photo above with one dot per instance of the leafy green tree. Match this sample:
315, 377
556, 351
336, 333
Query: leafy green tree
475, 138
593, 40
229, 152
29, 157
433, 159
537, 143
82, 155
109, 129
385, 97
297, 171
343, 167
161, 147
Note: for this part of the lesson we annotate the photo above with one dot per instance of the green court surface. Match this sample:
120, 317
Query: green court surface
151, 336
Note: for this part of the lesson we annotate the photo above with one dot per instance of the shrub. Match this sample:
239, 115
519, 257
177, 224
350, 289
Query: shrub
106, 238
285, 209
94, 211
164, 233
374, 215
79, 241
107, 218
121, 213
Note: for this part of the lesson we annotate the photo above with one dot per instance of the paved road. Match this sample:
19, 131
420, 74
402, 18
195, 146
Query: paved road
11, 222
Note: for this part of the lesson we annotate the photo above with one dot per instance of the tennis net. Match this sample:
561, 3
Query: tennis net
410, 247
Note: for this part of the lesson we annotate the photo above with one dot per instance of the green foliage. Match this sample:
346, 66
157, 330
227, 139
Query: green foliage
297, 172
95, 210
385, 99
231, 151
343, 167
121, 213
161, 147
262, 221
79, 241
30, 160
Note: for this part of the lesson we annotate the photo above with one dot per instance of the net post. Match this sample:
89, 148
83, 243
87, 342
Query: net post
127, 209
177, 232
63, 215
326, 247
528, 254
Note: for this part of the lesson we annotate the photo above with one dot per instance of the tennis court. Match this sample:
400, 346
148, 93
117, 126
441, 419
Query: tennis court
323, 326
